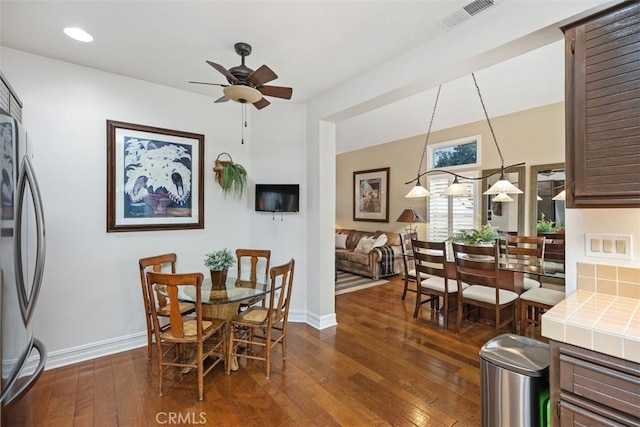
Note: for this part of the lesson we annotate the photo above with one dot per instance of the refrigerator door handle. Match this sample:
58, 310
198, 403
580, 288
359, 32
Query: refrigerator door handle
25, 383
28, 303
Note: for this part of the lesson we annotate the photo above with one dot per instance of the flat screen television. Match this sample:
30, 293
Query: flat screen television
277, 197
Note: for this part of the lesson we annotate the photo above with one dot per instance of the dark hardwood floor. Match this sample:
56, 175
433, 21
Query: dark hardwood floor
378, 367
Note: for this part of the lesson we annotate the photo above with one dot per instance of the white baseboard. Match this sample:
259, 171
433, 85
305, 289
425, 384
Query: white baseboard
57, 359
94, 350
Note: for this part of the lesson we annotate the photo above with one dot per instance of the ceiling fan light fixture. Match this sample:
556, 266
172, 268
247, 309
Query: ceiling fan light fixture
242, 94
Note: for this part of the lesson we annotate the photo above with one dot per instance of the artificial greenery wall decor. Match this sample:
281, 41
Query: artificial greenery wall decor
231, 176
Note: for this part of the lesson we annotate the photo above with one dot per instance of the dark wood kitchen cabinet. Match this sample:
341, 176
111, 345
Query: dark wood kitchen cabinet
592, 389
602, 102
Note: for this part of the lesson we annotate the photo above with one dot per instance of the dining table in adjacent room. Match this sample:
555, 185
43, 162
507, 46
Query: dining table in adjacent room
511, 276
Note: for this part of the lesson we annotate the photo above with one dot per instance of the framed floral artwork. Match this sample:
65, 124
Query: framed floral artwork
154, 178
371, 195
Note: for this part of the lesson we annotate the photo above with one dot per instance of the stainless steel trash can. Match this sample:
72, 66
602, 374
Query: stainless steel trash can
514, 371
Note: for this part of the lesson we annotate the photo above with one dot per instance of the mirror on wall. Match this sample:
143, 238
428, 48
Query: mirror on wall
546, 182
507, 216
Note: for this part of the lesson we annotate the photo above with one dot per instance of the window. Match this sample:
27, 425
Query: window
454, 154
449, 214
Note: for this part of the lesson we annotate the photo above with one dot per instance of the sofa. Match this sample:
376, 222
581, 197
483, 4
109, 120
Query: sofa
361, 260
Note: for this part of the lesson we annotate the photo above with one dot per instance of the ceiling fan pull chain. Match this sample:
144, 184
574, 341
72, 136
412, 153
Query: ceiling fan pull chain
243, 120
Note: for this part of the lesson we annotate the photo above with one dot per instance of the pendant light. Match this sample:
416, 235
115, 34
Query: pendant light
418, 190
502, 188
503, 185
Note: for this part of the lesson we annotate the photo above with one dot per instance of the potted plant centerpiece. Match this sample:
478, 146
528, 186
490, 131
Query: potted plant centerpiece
218, 263
545, 225
486, 234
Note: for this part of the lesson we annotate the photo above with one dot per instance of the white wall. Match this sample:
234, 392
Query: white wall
605, 221
90, 303
278, 150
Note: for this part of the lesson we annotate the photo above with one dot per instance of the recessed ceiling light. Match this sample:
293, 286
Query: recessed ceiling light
78, 34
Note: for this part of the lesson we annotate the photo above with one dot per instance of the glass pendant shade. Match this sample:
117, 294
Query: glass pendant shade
538, 198
418, 191
456, 189
503, 186
560, 196
502, 197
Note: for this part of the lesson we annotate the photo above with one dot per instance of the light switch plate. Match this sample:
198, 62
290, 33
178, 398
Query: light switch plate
608, 245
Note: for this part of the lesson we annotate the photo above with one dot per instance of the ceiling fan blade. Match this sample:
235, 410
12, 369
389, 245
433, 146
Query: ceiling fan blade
206, 83
261, 103
223, 98
277, 91
223, 71
262, 75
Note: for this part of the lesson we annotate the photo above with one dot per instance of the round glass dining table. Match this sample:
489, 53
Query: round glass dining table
223, 302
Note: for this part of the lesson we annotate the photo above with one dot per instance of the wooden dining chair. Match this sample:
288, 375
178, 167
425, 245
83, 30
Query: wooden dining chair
534, 303
477, 266
554, 247
254, 261
409, 271
205, 337
157, 263
526, 248
431, 261
264, 327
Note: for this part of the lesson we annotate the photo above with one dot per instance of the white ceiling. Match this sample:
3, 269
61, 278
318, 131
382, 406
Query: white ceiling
316, 47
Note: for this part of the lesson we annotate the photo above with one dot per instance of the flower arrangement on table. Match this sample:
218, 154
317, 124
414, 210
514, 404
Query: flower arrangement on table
485, 234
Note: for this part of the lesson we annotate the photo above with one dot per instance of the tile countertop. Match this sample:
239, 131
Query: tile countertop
600, 322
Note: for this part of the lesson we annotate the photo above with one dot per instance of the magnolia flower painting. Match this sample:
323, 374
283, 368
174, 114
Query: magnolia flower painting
157, 175
154, 178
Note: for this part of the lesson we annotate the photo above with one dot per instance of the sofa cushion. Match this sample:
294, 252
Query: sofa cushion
341, 241
393, 239
356, 257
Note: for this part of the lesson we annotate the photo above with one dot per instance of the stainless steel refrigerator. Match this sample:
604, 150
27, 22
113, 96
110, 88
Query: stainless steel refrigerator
22, 255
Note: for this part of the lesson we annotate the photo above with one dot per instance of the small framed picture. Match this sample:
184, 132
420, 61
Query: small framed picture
154, 178
371, 195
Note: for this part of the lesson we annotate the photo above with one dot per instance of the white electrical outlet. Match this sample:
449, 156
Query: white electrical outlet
608, 245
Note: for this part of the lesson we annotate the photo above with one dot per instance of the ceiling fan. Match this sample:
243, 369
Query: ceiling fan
247, 86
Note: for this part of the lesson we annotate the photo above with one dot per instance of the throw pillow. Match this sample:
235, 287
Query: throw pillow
341, 241
380, 241
365, 244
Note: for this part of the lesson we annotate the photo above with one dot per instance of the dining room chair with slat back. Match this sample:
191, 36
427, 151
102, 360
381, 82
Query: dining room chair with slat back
478, 267
526, 248
264, 327
554, 247
534, 303
431, 260
257, 261
408, 273
205, 337
157, 264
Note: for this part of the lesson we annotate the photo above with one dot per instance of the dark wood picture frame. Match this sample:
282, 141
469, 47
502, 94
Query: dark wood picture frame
155, 178
371, 195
